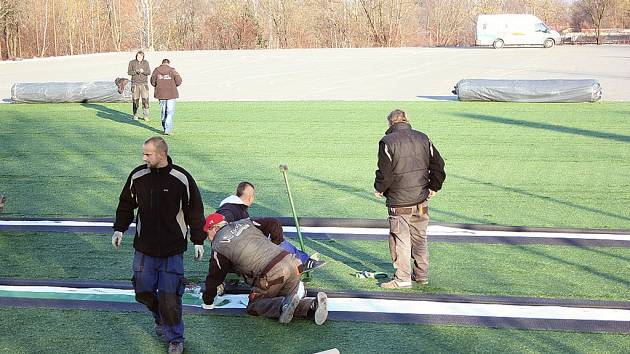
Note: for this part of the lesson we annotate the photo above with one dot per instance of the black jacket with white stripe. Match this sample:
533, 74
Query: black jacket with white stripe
408, 166
168, 201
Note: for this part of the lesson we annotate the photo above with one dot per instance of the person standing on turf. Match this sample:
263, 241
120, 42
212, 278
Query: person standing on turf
139, 70
168, 202
410, 172
166, 79
235, 207
273, 273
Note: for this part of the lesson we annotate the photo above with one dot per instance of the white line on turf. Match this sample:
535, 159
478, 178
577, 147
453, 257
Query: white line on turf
433, 230
386, 305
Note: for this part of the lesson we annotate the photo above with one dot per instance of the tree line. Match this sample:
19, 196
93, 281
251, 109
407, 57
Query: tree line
38, 28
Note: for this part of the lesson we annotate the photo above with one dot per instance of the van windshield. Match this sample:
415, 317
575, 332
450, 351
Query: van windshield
540, 27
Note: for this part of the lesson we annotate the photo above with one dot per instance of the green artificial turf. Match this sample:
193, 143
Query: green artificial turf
78, 331
460, 268
515, 164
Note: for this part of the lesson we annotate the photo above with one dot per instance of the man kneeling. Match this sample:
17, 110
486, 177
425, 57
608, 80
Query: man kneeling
274, 274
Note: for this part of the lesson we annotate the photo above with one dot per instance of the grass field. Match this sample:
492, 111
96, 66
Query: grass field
514, 164
471, 269
29, 331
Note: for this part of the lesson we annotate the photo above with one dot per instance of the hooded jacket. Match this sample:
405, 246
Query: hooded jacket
232, 208
408, 166
168, 201
165, 80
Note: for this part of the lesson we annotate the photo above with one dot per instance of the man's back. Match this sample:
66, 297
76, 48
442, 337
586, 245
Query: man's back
245, 246
404, 158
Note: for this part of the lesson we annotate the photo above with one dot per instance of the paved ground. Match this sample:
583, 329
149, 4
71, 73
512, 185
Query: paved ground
341, 74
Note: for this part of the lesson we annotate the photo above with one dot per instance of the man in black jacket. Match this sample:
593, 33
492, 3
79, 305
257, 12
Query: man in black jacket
410, 172
168, 202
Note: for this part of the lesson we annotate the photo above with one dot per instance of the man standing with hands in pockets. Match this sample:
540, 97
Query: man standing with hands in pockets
410, 172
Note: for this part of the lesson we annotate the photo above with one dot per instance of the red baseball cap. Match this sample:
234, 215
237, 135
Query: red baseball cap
212, 220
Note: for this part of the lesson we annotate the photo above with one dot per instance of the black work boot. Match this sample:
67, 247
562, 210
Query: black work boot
289, 305
175, 347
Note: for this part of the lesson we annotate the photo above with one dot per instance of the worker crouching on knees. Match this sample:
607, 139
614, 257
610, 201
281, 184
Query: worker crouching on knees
274, 274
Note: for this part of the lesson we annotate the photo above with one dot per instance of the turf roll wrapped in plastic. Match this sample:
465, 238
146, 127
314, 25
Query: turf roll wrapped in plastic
60, 92
528, 90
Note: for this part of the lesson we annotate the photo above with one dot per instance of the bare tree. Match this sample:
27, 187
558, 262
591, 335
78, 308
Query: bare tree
596, 10
447, 20
115, 25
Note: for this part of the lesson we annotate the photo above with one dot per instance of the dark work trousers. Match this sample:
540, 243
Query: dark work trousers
408, 240
159, 284
269, 292
140, 91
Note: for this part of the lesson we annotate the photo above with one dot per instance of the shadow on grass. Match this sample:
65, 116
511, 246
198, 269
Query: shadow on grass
580, 266
545, 126
117, 116
542, 197
353, 258
369, 196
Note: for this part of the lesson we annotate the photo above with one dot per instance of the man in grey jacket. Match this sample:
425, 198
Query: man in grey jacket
139, 71
273, 273
410, 171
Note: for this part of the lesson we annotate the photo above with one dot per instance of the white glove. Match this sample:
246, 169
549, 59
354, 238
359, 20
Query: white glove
117, 239
198, 252
217, 301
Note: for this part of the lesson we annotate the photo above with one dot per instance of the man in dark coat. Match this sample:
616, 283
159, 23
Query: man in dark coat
410, 172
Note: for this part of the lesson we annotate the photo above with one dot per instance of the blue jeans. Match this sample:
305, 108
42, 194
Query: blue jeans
167, 111
287, 246
159, 284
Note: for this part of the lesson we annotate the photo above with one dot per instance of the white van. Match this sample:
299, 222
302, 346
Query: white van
503, 30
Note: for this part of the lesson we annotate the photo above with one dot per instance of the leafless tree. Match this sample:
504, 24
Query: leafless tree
596, 10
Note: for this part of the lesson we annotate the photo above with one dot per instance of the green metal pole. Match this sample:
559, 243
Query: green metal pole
284, 168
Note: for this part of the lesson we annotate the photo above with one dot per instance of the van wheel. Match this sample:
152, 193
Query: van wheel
498, 44
548, 43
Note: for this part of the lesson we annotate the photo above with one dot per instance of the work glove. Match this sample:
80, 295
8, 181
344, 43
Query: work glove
198, 252
117, 239
218, 301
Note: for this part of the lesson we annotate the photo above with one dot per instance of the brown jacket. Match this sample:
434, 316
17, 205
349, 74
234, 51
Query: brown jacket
133, 69
165, 80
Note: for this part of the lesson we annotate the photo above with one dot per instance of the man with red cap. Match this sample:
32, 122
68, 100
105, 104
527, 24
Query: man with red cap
274, 274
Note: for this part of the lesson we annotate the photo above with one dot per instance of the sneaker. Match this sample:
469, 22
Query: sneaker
395, 284
316, 256
321, 308
146, 119
175, 348
159, 330
289, 305
312, 264
135, 117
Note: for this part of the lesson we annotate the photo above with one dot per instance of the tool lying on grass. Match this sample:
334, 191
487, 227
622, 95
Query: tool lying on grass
373, 275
